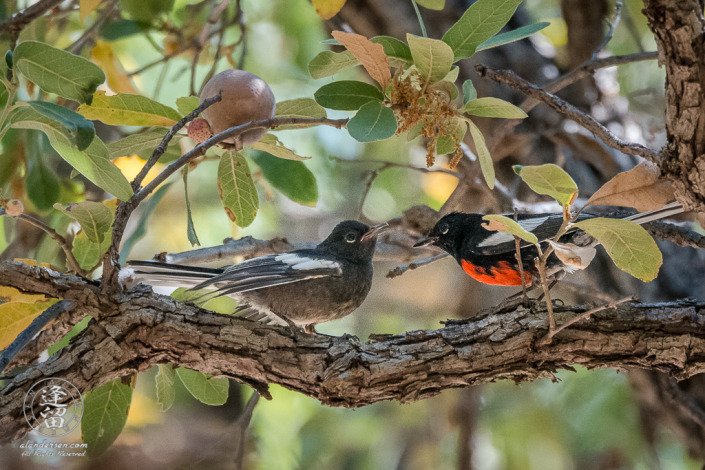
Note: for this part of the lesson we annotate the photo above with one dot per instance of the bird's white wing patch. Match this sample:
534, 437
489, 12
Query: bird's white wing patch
304, 263
502, 237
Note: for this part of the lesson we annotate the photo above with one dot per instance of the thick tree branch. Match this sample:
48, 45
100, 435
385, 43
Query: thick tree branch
679, 29
588, 122
139, 329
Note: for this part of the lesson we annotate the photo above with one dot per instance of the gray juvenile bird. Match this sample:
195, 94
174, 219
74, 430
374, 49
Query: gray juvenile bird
304, 287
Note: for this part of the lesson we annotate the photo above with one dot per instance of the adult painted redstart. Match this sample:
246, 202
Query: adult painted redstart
490, 256
305, 287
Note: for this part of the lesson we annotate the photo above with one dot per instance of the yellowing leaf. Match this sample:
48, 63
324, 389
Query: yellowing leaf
369, 54
493, 107
86, 7
630, 246
117, 77
16, 316
10, 294
550, 180
500, 223
327, 9
131, 165
128, 110
639, 188
271, 144
432, 57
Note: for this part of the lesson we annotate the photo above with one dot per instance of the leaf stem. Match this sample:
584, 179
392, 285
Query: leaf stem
418, 15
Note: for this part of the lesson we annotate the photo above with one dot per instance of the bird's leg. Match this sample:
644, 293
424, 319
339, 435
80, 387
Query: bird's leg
550, 286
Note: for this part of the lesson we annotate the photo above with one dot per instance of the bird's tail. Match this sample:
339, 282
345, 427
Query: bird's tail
672, 208
155, 273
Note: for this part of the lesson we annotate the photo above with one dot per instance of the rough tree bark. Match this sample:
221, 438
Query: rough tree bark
137, 329
679, 29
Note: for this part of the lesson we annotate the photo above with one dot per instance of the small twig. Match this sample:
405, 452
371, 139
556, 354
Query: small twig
97, 24
202, 39
550, 335
20, 20
164, 144
200, 149
683, 400
610, 32
387, 164
588, 122
520, 262
399, 270
372, 176
242, 423
63, 243
35, 327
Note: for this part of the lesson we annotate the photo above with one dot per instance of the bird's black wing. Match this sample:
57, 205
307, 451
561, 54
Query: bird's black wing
271, 270
544, 226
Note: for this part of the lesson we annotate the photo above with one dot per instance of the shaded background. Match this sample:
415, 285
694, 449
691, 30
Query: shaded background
588, 420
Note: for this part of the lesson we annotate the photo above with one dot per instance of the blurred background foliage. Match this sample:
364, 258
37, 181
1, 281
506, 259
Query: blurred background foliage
587, 420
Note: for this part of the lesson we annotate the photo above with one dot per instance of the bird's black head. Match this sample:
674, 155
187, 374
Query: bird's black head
450, 232
353, 240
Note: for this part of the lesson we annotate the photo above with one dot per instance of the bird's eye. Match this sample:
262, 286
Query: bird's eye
351, 237
443, 228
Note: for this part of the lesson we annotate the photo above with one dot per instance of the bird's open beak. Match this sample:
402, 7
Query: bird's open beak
426, 242
374, 231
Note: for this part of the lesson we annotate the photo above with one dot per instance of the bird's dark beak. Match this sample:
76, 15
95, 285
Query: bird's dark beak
426, 242
374, 231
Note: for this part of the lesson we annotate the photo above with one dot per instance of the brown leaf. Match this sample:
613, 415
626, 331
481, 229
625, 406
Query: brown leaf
576, 256
370, 55
639, 188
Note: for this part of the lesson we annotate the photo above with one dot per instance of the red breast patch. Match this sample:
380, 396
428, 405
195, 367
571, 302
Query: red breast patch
503, 274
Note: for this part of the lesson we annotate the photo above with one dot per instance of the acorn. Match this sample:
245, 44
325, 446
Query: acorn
245, 98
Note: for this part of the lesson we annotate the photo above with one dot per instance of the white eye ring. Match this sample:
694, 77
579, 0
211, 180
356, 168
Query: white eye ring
443, 228
351, 237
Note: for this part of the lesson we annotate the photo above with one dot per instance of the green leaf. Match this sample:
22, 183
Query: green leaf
104, 415
550, 180
88, 253
80, 128
57, 71
186, 104
493, 107
480, 22
483, 154
236, 188
347, 95
329, 63
469, 92
190, 228
630, 246
95, 218
44, 190
373, 121
504, 224
512, 36
139, 142
208, 390
293, 179
433, 58
124, 109
394, 47
449, 143
432, 4
452, 76
77, 328
271, 144
141, 228
164, 381
299, 108
93, 162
